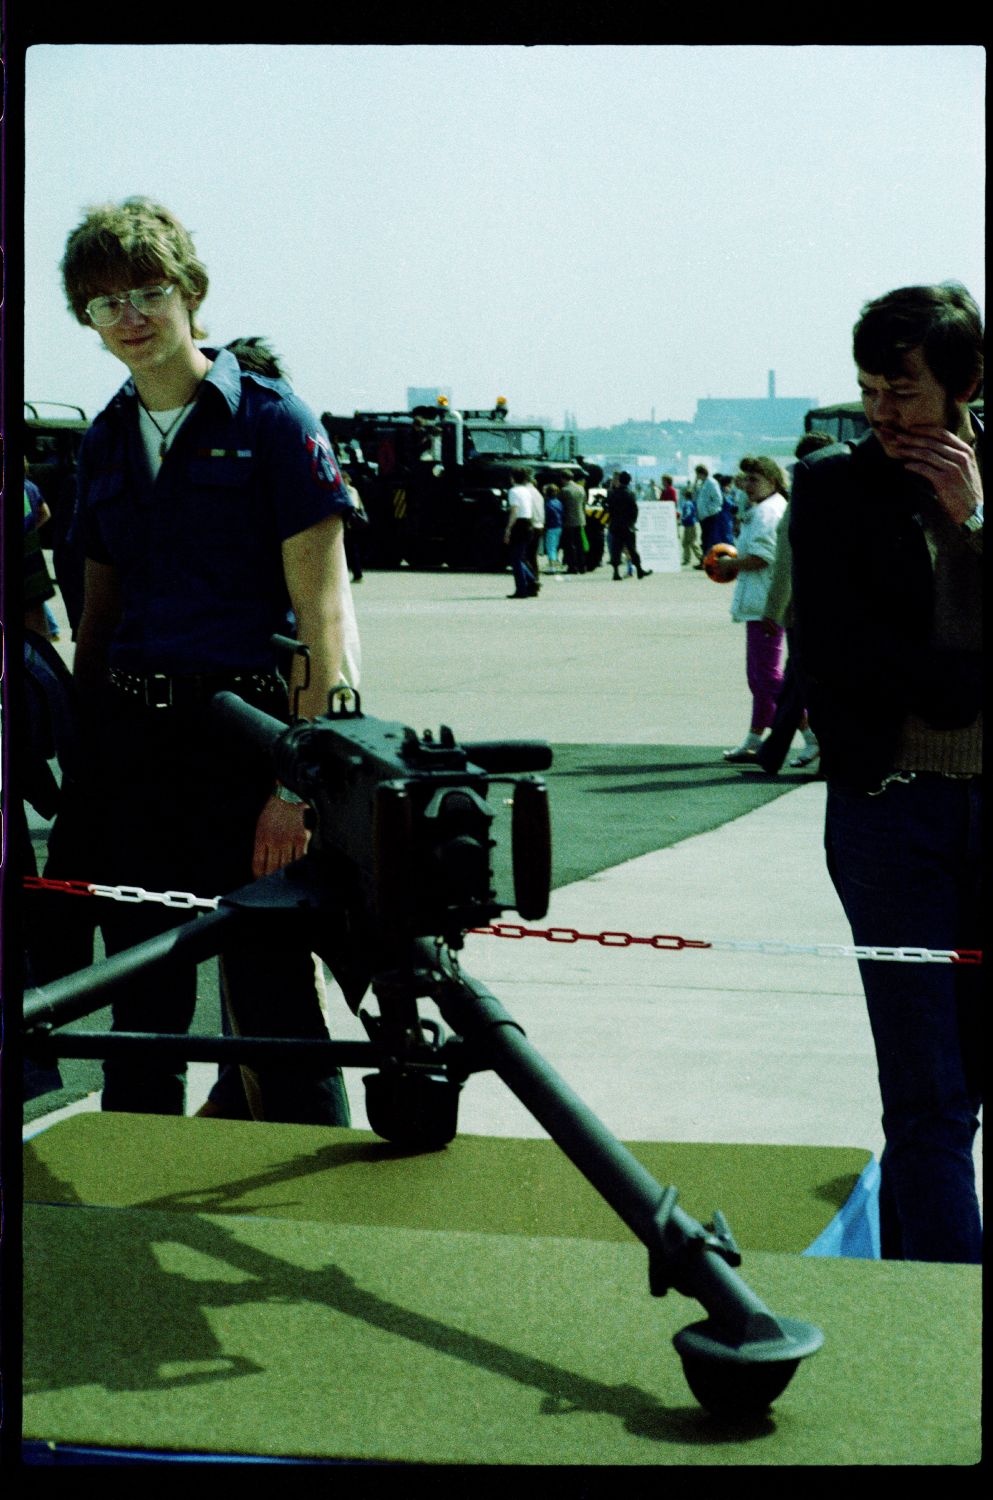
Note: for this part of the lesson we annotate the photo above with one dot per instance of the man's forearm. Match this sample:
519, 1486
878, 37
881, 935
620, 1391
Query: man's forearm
89, 663
317, 580
324, 633
97, 625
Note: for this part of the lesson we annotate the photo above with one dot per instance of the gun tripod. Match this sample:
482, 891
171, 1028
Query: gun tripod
737, 1360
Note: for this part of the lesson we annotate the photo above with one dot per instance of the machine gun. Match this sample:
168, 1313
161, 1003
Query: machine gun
399, 867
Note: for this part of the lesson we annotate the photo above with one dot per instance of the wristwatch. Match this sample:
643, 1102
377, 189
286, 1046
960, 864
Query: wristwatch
975, 521
285, 795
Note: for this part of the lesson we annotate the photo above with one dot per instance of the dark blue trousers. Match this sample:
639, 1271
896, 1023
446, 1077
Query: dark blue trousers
521, 554
167, 803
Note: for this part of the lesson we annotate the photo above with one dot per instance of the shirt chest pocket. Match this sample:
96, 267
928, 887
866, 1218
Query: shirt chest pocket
218, 501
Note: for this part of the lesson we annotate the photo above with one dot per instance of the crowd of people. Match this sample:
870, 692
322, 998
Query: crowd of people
211, 516
570, 526
549, 531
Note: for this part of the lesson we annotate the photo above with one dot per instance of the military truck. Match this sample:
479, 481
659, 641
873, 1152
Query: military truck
53, 432
51, 445
846, 421
434, 480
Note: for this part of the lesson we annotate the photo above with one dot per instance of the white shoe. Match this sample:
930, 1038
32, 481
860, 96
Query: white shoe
806, 756
741, 755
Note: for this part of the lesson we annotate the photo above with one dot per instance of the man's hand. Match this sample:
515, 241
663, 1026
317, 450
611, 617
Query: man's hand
280, 836
948, 463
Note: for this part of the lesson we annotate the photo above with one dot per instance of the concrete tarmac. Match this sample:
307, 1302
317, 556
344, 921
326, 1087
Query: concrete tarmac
708, 1046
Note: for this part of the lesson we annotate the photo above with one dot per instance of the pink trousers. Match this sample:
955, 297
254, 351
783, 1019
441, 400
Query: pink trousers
764, 656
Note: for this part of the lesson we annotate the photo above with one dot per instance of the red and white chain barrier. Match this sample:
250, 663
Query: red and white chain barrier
663, 942
672, 943
184, 900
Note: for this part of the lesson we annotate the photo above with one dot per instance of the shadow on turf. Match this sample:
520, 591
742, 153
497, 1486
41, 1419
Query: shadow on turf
611, 803
171, 1277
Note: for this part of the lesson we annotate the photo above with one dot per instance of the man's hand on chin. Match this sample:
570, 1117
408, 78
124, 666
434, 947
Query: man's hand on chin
948, 463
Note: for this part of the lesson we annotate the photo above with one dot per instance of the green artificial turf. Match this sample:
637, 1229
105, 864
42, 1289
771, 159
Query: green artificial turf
611, 803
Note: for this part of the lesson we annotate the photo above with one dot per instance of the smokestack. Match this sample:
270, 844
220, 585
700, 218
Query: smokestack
772, 385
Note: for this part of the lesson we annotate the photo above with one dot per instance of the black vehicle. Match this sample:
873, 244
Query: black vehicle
434, 481
53, 433
845, 421
51, 447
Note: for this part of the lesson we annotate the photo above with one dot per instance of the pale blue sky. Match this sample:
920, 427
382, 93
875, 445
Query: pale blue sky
604, 231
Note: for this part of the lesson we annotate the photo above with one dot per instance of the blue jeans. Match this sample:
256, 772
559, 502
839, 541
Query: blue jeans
907, 866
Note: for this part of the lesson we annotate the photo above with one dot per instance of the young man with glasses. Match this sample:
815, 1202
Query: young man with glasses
888, 622
211, 513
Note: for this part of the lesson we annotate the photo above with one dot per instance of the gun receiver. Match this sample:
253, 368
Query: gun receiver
405, 819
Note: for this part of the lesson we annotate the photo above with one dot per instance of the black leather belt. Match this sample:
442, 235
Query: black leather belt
160, 690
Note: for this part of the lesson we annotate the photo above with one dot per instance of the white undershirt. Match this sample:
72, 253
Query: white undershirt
152, 436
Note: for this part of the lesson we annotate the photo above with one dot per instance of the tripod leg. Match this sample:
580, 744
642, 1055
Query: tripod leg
742, 1356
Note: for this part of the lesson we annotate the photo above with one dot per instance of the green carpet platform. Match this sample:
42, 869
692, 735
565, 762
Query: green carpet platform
775, 1197
199, 1287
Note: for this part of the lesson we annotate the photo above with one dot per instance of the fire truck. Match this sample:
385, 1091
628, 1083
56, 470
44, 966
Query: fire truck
433, 480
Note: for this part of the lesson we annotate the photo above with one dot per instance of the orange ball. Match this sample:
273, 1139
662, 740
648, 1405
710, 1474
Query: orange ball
721, 549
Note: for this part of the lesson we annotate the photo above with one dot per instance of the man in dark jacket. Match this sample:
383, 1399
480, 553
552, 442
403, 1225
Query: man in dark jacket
622, 516
887, 564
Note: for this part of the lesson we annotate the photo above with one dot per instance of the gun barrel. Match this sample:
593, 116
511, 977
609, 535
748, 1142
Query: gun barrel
248, 722
500, 756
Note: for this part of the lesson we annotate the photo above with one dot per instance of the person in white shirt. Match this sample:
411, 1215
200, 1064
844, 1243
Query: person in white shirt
767, 488
526, 507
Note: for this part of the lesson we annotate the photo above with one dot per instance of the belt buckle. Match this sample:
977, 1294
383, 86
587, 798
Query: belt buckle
153, 699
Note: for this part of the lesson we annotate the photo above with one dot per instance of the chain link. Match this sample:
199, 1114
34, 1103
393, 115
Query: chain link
661, 941
181, 900
673, 943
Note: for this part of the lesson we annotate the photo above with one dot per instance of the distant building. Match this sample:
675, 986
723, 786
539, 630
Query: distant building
771, 416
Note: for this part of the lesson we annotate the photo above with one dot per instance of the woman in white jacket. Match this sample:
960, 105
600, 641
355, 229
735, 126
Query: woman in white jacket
767, 488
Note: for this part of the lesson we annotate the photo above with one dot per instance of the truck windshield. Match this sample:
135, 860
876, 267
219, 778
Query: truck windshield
527, 441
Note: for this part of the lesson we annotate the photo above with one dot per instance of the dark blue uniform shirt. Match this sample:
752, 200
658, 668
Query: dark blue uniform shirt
198, 547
